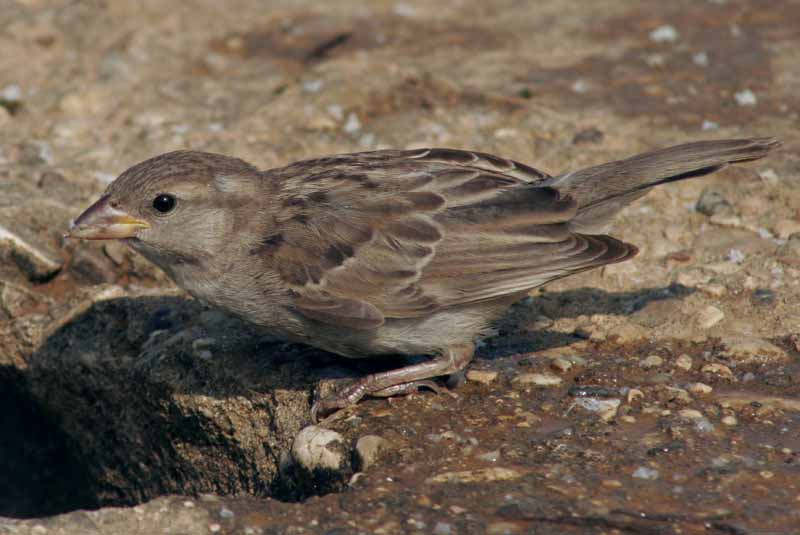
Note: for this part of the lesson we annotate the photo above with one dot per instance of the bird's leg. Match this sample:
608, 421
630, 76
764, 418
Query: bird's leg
399, 381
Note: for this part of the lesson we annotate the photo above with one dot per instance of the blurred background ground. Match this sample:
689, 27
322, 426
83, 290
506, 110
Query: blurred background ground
655, 396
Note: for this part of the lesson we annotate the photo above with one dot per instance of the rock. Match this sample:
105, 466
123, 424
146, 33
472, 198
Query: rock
729, 420
644, 472
538, 379
369, 449
741, 399
34, 262
746, 350
712, 202
652, 361
606, 408
718, 369
561, 365
481, 475
690, 414
709, 316
317, 448
786, 227
684, 362
699, 388
481, 376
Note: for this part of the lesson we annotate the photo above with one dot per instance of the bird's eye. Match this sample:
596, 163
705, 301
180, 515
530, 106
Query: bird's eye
164, 203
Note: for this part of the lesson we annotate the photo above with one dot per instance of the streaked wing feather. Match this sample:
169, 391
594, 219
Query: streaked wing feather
400, 234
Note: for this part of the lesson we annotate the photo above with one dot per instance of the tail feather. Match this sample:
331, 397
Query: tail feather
603, 190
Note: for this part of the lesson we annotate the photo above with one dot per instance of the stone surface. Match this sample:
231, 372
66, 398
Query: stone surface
369, 449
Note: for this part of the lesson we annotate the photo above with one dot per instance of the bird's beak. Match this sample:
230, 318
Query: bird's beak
101, 221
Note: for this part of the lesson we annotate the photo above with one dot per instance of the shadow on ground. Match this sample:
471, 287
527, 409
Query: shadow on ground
143, 397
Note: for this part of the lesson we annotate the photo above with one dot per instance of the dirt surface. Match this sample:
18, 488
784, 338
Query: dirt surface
657, 396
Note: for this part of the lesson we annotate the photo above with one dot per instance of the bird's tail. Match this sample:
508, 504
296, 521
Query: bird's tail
603, 190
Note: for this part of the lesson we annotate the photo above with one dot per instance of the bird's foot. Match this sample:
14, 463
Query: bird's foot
395, 382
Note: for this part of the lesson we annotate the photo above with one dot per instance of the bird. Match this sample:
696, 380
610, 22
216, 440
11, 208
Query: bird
387, 252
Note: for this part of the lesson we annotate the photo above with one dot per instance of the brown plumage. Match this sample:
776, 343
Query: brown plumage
385, 252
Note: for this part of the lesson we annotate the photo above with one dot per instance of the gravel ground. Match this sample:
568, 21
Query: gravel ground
657, 396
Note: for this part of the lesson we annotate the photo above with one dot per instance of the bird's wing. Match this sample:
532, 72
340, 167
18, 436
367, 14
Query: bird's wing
400, 234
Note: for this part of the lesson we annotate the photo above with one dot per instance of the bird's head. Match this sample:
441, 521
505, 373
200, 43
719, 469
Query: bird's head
175, 208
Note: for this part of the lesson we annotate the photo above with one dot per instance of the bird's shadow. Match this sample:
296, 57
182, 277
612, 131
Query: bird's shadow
108, 371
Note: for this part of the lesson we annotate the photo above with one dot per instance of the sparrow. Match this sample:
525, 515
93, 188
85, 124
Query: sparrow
389, 252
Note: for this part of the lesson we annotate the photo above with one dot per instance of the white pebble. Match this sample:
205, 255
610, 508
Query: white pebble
710, 125
700, 59
352, 125
746, 98
664, 34
644, 472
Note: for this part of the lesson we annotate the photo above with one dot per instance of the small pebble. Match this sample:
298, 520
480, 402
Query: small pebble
699, 388
717, 369
690, 414
539, 379
729, 420
612, 483
684, 362
561, 365
481, 376
652, 361
664, 34
709, 316
746, 98
643, 472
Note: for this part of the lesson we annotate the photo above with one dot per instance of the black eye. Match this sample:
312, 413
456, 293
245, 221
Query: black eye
164, 203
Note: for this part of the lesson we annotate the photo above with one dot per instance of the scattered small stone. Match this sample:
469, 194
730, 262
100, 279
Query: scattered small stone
747, 349
481, 376
644, 472
35, 263
700, 59
746, 98
664, 34
690, 414
538, 379
315, 447
709, 125
353, 124
742, 399
581, 86
729, 420
561, 365
369, 449
224, 512
634, 394
611, 483
718, 369
712, 202
684, 362
699, 388
606, 408
726, 220
763, 296
652, 361
766, 474
709, 316
481, 475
